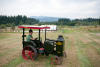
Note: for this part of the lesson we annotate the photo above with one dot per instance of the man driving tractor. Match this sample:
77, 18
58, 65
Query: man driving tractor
29, 37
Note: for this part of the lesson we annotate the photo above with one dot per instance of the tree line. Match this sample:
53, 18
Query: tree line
9, 21
75, 22
16, 20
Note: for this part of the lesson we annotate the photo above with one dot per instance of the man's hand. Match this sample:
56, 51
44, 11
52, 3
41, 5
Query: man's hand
36, 38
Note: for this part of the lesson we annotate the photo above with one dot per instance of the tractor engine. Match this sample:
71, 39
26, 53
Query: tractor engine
49, 46
60, 46
54, 46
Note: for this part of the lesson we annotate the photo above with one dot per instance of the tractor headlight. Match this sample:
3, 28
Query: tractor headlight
59, 43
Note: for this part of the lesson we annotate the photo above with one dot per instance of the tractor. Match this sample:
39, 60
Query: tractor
32, 49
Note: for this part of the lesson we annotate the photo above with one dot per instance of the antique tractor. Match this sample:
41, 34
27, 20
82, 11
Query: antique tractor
32, 49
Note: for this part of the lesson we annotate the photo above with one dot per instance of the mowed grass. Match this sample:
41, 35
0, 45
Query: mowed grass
82, 48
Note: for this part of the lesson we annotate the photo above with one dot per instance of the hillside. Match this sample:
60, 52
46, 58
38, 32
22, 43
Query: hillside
45, 18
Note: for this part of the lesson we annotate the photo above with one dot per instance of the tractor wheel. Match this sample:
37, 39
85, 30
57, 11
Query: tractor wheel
56, 60
29, 52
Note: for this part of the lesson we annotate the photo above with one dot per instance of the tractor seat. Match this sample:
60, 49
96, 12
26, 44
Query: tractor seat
38, 43
26, 43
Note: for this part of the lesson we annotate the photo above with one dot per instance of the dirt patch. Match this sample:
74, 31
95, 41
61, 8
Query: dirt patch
90, 37
97, 41
6, 59
41, 61
98, 34
26, 64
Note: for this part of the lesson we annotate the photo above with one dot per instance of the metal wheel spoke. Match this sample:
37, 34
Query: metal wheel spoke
28, 53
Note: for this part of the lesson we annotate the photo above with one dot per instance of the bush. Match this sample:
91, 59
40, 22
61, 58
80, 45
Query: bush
2, 26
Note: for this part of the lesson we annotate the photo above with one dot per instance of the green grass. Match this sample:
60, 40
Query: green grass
8, 51
82, 56
14, 62
95, 36
67, 31
80, 46
84, 60
5, 35
68, 44
95, 45
48, 61
2, 36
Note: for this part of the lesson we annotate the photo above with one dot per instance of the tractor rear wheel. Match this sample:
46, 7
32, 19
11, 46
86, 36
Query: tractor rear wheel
29, 52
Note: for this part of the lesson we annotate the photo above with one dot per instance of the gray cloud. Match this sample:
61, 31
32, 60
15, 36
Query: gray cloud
56, 8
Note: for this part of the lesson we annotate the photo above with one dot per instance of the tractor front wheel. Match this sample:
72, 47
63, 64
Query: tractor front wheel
29, 52
56, 60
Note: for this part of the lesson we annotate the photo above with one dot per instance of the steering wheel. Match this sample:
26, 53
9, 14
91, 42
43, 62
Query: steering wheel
38, 39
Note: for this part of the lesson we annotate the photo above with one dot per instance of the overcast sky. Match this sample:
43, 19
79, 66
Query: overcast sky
53, 8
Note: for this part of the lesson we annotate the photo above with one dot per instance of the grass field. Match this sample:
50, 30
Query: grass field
82, 48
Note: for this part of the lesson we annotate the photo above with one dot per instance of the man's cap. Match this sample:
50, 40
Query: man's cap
30, 31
